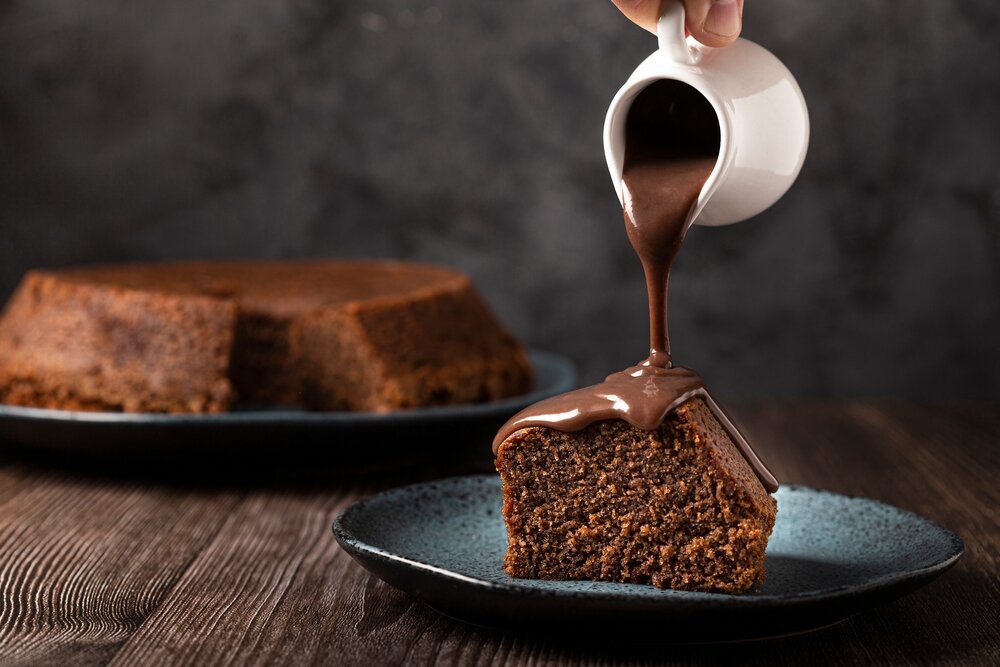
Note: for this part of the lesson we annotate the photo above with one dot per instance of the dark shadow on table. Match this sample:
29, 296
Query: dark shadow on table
280, 467
925, 627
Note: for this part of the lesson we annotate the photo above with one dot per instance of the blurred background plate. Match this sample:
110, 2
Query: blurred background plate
247, 433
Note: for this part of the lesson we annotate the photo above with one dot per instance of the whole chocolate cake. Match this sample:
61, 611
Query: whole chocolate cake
195, 336
642, 478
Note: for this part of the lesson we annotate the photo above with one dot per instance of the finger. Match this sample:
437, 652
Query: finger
642, 12
714, 22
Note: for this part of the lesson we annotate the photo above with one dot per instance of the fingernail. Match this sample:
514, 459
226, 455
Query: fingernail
723, 18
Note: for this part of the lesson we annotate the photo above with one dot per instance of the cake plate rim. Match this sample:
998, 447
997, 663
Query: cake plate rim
789, 613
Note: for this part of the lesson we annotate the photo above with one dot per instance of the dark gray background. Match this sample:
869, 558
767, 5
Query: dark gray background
469, 133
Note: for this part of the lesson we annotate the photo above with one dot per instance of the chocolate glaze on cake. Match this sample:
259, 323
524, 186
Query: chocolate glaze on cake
672, 145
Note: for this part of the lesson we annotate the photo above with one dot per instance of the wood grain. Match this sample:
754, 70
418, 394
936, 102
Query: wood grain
82, 565
122, 569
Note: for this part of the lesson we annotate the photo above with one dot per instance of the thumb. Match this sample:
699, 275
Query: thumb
714, 22
711, 22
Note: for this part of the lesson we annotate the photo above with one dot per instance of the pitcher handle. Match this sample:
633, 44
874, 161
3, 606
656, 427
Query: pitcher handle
671, 33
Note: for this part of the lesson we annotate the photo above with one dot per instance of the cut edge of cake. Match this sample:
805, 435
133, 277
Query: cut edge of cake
678, 507
70, 343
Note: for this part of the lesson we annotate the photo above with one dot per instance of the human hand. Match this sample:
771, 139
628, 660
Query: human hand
711, 22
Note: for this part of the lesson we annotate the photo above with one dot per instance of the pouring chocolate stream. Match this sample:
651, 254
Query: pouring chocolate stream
671, 147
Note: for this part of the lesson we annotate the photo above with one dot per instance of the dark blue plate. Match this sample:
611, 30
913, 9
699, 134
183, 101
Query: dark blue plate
355, 435
829, 557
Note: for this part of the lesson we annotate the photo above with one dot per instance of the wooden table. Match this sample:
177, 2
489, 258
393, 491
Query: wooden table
210, 564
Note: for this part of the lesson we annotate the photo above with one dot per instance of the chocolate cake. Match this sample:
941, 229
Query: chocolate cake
642, 478
197, 336
676, 507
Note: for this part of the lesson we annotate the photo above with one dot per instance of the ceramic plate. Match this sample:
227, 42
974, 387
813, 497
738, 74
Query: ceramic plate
381, 434
829, 557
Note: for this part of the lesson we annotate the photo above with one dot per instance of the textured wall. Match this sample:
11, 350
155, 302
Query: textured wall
469, 133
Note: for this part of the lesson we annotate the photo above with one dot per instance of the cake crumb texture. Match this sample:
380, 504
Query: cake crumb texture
677, 507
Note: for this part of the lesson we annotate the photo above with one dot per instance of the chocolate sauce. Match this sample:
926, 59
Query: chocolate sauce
671, 146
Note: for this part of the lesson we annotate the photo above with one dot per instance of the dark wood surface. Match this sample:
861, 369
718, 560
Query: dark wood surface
199, 561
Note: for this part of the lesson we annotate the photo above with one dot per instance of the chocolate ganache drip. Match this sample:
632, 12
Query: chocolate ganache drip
671, 146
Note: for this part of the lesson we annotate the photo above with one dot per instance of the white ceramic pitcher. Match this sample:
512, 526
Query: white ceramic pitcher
763, 121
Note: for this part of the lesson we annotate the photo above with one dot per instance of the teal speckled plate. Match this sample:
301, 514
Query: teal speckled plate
829, 557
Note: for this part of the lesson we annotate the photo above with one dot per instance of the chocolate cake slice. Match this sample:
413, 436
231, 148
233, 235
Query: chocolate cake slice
676, 507
642, 478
